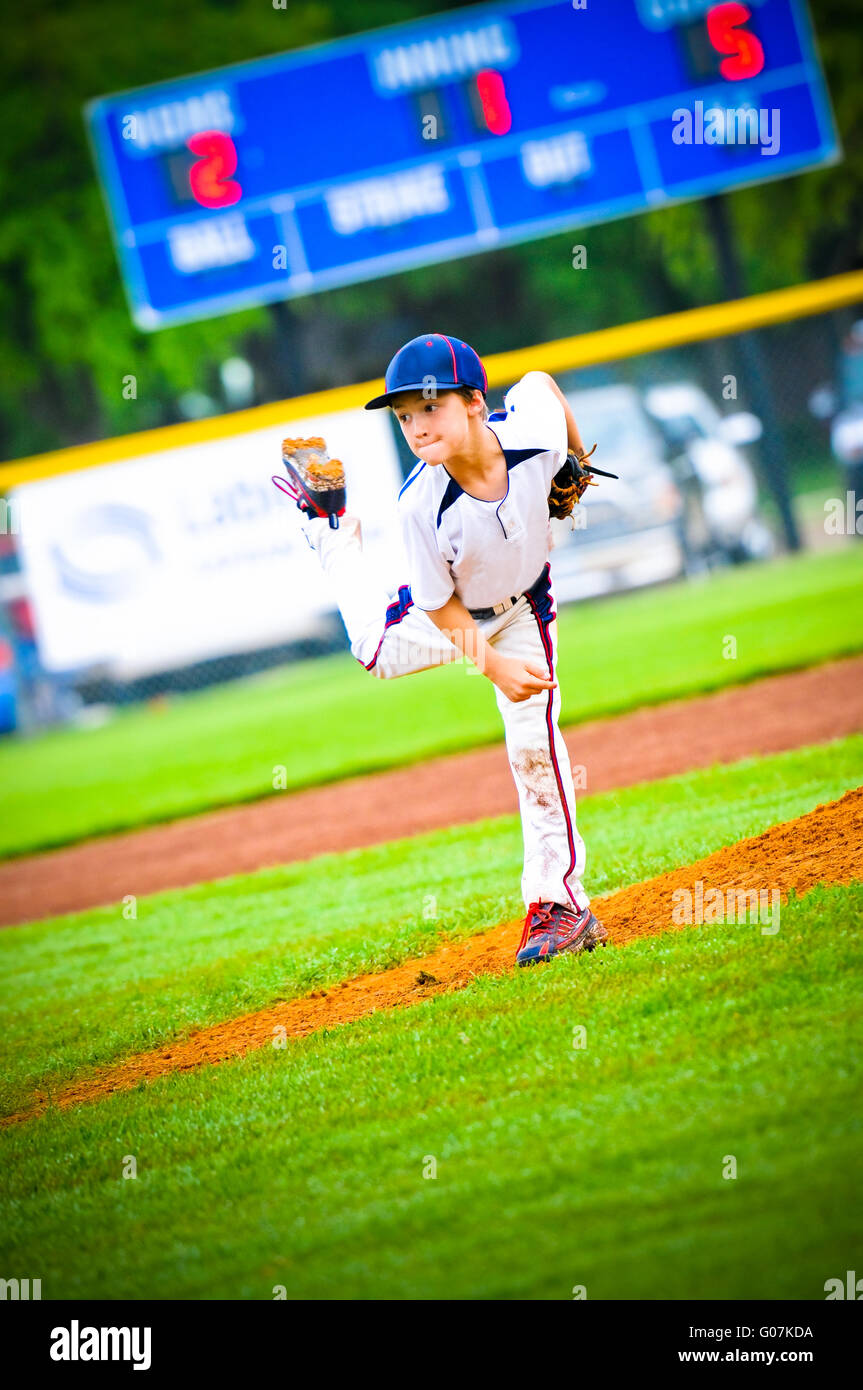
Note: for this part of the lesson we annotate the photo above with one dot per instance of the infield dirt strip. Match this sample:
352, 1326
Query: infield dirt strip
771, 715
821, 847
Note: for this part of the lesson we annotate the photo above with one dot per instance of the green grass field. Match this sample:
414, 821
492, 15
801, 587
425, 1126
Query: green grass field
199, 955
553, 1166
328, 719
556, 1166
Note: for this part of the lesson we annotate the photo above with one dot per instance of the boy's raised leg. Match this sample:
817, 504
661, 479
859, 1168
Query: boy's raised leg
389, 636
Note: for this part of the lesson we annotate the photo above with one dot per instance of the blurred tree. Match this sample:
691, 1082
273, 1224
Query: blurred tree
67, 341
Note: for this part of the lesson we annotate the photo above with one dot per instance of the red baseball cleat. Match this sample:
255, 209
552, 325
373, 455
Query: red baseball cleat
552, 928
315, 481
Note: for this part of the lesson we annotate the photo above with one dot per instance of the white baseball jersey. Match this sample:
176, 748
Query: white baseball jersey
487, 551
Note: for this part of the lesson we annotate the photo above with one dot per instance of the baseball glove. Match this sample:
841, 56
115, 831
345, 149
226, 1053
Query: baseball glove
570, 483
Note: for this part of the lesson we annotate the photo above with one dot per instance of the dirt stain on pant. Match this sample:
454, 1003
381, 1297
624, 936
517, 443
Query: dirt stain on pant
534, 772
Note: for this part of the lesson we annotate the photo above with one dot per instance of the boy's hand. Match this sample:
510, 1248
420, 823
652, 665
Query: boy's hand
518, 679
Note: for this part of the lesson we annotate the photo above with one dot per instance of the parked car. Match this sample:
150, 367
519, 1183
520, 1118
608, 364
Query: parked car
629, 531
721, 520
8, 689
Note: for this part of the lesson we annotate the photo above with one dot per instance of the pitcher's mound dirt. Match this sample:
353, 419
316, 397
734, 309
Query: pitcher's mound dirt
768, 716
821, 847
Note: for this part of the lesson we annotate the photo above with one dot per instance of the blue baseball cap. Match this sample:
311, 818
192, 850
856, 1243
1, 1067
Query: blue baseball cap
432, 357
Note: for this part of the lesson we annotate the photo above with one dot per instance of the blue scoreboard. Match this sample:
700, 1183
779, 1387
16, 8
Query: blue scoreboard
407, 145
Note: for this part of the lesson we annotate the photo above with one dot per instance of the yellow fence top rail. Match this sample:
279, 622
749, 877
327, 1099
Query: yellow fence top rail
563, 354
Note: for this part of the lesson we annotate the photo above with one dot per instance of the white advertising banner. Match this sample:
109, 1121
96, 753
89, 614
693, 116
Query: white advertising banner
176, 556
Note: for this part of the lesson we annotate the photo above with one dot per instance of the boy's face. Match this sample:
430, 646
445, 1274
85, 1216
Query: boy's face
438, 428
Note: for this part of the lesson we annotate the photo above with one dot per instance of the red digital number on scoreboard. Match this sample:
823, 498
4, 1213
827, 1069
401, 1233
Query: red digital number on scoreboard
493, 102
745, 53
210, 177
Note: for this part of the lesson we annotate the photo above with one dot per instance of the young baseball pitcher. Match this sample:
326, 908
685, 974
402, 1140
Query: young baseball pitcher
475, 519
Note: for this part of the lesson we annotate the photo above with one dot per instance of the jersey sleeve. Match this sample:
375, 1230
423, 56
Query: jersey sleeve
535, 417
430, 577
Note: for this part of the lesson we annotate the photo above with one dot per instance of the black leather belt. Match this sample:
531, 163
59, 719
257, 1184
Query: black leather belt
506, 603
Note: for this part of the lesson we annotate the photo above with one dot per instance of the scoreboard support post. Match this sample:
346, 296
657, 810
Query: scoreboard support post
293, 378
772, 445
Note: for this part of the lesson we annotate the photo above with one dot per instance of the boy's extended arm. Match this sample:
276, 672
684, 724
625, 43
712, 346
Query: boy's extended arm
573, 437
517, 679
